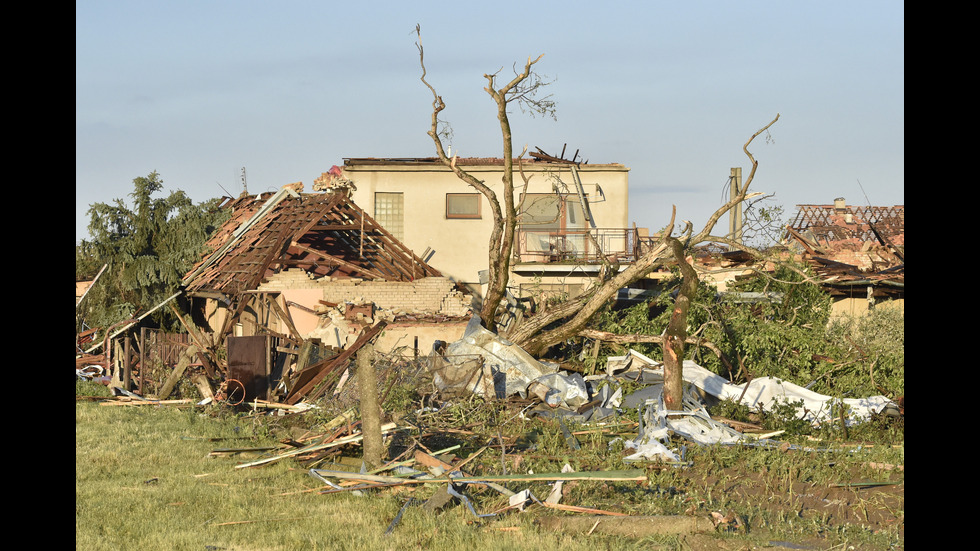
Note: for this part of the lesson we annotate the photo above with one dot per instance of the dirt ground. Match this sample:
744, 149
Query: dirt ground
821, 511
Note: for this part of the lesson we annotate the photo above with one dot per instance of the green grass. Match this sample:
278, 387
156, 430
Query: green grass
146, 478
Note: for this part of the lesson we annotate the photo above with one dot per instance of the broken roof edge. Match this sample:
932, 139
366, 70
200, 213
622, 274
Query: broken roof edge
849, 207
429, 162
214, 256
292, 209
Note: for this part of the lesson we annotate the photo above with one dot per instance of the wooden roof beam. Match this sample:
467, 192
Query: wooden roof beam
334, 260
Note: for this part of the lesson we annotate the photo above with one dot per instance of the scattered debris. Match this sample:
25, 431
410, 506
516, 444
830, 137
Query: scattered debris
730, 522
391, 527
761, 393
484, 366
326, 242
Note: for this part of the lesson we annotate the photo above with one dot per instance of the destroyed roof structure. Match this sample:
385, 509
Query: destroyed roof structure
290, 268
858, 251
842, 222
317, 237
326, 234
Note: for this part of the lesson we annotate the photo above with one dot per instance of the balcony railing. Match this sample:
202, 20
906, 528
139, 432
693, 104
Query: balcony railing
575, 246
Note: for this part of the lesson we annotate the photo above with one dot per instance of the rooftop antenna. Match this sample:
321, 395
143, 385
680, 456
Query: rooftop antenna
862, 191
244, 183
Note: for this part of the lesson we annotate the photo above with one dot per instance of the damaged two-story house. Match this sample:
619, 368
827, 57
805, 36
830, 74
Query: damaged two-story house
571, 217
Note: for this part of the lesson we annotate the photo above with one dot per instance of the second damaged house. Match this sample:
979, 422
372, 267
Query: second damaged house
857, 251
294, 272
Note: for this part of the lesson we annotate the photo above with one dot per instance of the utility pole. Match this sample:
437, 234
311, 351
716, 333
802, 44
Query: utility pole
735, 215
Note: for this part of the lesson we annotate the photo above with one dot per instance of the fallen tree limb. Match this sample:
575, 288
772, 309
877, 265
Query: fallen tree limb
605, 336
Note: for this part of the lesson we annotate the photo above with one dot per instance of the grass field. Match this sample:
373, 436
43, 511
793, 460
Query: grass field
165, 477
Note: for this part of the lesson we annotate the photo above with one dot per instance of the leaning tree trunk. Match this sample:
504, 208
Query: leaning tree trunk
534, 336
676, 333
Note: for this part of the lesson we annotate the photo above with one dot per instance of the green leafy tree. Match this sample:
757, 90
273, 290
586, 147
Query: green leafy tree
146, 247
869, 353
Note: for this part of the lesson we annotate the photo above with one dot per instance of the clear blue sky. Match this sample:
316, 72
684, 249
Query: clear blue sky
197, 90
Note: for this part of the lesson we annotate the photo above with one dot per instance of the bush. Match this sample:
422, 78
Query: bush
789, 336
875, 346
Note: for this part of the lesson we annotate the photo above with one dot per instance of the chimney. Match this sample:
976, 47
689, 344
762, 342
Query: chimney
840, 207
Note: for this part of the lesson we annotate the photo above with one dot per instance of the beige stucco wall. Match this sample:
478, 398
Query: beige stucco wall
435, 295
858, 306
300, 295
298, 303
405, 335
459, 246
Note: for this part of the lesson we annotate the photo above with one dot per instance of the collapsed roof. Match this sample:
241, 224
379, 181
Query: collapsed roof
842, 222
853, 246
324, 233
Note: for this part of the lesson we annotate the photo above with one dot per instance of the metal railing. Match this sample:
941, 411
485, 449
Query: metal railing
579, 246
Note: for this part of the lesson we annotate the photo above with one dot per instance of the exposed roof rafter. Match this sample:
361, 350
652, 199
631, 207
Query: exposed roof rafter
325, 231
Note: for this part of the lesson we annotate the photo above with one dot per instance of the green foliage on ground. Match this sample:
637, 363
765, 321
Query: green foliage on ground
147, 247
789, 336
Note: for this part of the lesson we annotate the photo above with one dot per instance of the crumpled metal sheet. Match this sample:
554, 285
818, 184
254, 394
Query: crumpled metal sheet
512, 369
767, 392
565, 390
693, 423
467, 374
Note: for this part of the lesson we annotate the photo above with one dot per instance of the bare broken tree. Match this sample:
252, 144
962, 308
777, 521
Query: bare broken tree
569, 319
523, 90
543, 331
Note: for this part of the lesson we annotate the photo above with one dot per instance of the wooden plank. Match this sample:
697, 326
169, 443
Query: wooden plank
178, 372
284, 316
203, 353
297, 394
637, 475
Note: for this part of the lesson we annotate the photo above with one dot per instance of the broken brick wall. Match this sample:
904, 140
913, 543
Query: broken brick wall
436, 295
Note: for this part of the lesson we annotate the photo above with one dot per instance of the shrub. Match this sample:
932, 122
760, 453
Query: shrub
789, 336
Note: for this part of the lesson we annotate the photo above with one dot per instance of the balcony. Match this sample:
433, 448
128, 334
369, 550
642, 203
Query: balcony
623, 245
